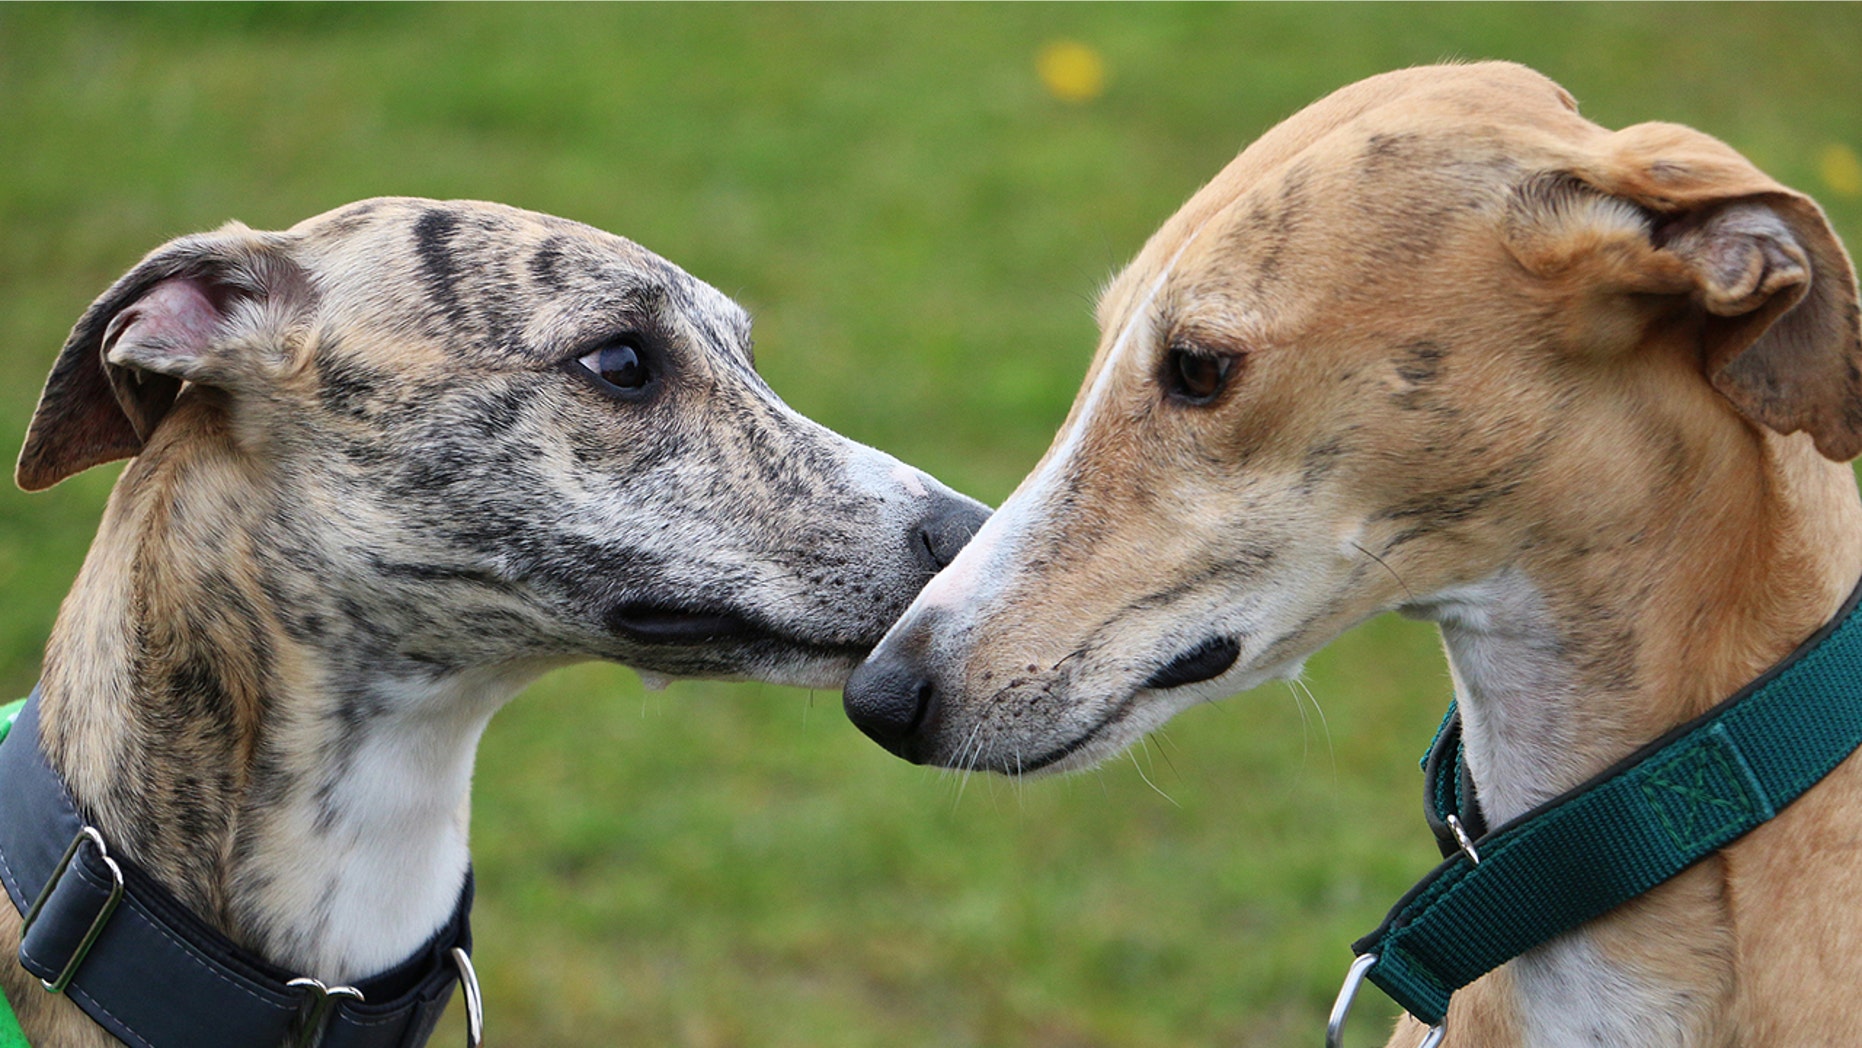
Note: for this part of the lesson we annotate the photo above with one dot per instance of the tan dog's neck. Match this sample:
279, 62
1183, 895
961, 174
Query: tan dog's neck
312, 808
1574, 653
1571, 657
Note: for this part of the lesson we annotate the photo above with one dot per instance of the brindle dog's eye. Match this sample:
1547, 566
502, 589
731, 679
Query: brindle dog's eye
618, 364
1196, 376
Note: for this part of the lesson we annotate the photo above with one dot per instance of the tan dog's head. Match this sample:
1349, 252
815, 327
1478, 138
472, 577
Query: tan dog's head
1430, 321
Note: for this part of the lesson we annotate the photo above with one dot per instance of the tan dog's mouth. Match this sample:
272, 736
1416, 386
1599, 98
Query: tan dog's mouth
1205, 661
967, 751
924, 742
1054, 758
906, 713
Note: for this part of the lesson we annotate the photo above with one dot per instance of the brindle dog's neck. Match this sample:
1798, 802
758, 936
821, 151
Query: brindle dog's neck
213, 719
1574, 655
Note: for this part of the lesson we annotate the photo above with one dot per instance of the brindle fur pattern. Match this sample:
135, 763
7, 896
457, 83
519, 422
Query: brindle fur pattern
376, 501
1582, 397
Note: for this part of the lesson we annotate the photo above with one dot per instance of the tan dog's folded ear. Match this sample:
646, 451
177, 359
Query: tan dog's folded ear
1667, 210
127, 357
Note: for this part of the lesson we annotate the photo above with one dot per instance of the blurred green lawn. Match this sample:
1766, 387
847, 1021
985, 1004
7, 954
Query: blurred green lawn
920, 229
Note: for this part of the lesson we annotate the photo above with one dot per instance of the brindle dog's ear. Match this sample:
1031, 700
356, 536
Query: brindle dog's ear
1666, 210
127, 357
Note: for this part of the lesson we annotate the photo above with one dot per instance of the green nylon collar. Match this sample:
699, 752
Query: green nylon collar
11, 1036
1671, 803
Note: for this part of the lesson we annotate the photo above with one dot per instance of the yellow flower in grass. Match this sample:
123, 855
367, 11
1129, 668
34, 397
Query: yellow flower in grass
1841, 170
1071, 71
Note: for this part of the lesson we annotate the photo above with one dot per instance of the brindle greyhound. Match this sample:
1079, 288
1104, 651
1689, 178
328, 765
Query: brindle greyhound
1438, 344
390, 465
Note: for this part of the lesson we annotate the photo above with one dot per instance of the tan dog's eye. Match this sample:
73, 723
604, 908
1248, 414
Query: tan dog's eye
1196, 376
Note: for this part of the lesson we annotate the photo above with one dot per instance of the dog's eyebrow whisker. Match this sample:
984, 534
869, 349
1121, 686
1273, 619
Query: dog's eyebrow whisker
1381, 563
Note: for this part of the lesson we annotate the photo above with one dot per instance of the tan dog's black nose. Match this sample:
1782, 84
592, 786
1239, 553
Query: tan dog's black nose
892, 699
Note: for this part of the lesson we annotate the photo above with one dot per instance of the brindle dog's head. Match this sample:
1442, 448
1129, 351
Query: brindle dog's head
1430, 322
468, 434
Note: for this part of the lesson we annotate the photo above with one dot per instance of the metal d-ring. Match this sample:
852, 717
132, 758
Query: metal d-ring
1341, 1008
474, 1002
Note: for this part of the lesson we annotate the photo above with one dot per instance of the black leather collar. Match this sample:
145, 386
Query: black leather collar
156, 976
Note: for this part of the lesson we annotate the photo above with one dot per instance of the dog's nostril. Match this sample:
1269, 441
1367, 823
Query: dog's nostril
921, 704
1206, 661
890, 701
944, 531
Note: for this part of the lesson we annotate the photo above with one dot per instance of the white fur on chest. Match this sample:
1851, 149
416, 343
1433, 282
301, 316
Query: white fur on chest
358, 872
1571, 996
1513, 689
1518, 707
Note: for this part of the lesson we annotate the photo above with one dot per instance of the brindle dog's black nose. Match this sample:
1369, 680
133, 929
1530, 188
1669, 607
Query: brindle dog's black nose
947, 528
891, 698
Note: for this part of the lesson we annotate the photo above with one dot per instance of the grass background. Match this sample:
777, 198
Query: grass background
919, 228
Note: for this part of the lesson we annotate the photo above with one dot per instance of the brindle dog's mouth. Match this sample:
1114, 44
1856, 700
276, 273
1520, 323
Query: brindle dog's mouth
660, 624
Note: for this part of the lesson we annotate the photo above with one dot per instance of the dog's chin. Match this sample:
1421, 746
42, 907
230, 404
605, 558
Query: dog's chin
1033, 757
768, 664
1122, 723
825, 672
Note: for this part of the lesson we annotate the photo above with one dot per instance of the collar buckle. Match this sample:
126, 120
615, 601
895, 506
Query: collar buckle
77, 939
81, 887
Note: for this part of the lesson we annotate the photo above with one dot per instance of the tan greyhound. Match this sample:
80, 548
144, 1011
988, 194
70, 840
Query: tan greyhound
1439, 345
390, 465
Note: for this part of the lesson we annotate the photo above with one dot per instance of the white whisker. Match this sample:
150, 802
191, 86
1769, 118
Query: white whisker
965, 764
1298, 686
1147, 779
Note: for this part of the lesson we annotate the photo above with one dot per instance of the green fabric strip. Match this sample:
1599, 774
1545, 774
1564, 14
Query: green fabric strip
11, 1036
1671, 804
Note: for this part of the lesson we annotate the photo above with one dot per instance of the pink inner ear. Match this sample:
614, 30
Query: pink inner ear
165, 330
